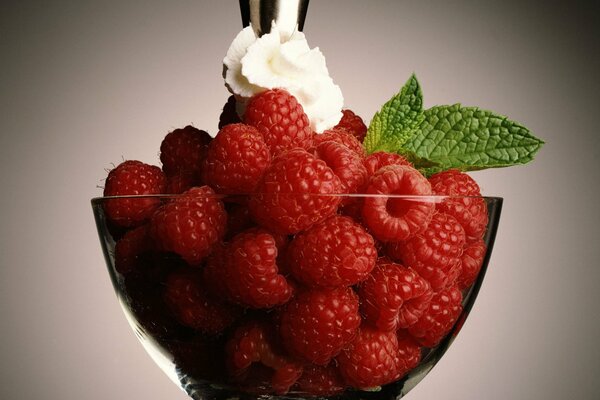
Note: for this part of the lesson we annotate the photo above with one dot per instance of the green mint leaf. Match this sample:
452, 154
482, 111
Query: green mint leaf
469, 139
393, 125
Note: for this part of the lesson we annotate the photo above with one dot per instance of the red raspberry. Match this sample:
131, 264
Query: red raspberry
353, 124
190, 224
393, 296
281, 120
246, 272
317, 324
381, 159
236, 159
471, 262
183, 150
376, 358
181, 182
435, 253
287, 199
437, 321
133, 178
229, 114
129, 248
187, 297
471, 211
335, 252
254, 342
319, 380
340, 136
395, 219
345, 163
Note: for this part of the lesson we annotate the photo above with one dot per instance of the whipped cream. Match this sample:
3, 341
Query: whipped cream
281, 59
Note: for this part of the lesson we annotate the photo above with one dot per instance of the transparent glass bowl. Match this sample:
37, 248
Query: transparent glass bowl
195, 360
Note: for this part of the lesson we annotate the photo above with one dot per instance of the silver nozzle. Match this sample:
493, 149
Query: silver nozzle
289, 15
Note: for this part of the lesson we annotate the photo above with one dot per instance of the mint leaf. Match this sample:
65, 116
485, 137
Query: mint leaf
468, 138
393, 125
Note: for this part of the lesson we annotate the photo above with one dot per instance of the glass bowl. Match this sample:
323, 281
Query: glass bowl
194, 327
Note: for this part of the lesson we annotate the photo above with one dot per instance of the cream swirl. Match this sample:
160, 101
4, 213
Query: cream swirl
253, 65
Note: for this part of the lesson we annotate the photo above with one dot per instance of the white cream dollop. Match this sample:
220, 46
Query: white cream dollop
278, 60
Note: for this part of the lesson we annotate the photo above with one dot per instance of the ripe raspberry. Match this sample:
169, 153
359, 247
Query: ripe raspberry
236, 159
393, 296
229, 114
187, 297
130, 247
246, 271
295, 193
317, 324
181, 182
133, 178
471, 211
435, 253
340, 136
335, 252
437, 321
471, 263
182, 150
345, 163
395, 219
254, 342
280, 119
190, 225
381, 159
353, 124
376, 358
317, 380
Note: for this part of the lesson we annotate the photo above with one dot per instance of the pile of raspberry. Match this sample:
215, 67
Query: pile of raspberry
265, 271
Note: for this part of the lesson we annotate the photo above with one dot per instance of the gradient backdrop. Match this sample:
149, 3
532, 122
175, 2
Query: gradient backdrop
85, 84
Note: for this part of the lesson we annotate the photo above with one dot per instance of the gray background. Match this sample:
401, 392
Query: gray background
85, 84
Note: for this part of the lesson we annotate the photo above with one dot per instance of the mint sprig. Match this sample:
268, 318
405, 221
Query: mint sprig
446, 137
394, 124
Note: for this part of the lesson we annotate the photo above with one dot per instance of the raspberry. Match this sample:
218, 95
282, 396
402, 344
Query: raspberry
353, 124
320, 380
229, 114
382, 159
317, 324
182, 150
190, 224
133, 178
280, 119
128, 249
345, 163
376, 358
236, 159
340, 136
438, 319
395, 219
255, 342
435, 253
335, 252
187, 297
247, 271
393, 296
287, 199
471, 262
470, 211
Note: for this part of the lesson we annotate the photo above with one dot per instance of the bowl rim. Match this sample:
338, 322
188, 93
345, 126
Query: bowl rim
430, 198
